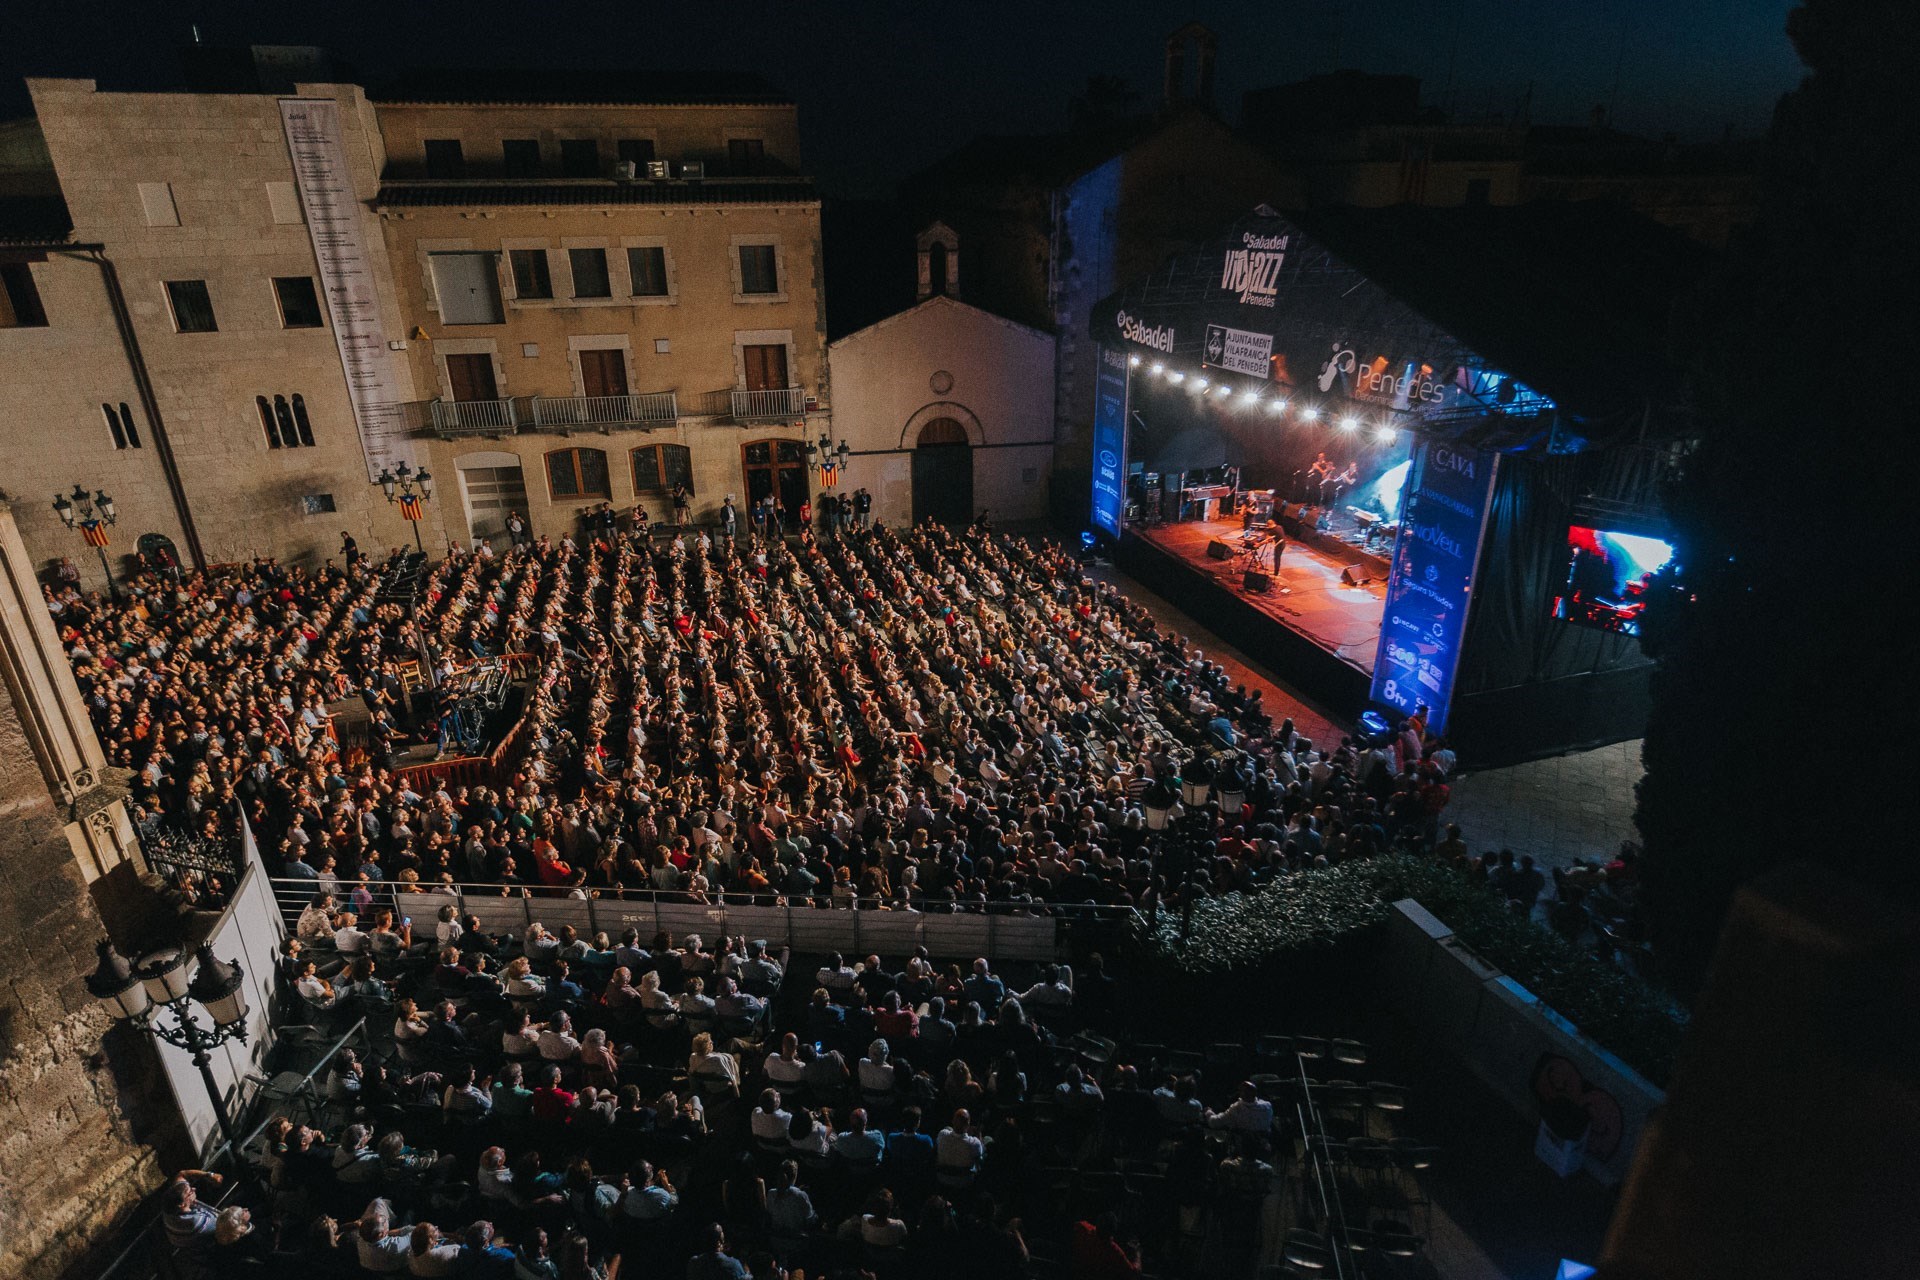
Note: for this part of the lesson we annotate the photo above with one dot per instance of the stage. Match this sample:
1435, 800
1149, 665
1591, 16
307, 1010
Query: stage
1310, 628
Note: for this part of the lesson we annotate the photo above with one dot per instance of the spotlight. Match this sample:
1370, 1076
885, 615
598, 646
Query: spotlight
1311, 415
1199, 384
1348, 424
1175, 376
1224, 391
1157, 369
1276, 406
1133, 361
1384, 435
1251, 396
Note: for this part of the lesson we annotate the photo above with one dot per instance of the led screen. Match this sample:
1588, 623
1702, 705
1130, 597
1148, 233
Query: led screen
1607, 578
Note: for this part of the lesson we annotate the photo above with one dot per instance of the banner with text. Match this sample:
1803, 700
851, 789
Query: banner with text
1239, 350
1110, 440
1430, 587
336, 222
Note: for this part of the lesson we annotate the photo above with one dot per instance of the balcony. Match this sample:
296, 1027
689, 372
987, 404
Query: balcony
604, 413
768, 406
450, 418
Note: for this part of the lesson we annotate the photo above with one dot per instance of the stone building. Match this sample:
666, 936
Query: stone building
610, 285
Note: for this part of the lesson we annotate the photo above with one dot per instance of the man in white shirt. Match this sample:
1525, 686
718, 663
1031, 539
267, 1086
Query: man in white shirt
957, 1151
350, 939
1249, 1113
557, 1042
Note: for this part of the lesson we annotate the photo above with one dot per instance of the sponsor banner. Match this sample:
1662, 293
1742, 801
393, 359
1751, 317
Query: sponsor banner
1110, 440
1407, 384
1146, 333
336, 222
1435, 558
1251, 271
1239, 350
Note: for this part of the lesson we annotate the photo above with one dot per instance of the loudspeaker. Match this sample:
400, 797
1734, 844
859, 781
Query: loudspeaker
1218, 550
1351, 579
1254, 580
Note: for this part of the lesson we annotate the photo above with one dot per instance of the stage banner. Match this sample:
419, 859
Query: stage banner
1239, 350
1110, 440
337, 224
1435, 558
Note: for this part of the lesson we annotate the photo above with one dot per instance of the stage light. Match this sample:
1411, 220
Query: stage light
1348, 424
1175, 376
1251, 396
1134, 361
1276, 406
1157, 369
1199, 384
1311, 415
1224, 391
1384, 435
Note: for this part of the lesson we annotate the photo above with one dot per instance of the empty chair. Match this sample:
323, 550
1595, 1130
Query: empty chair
1312, 1048
1184, 1061
1350, 1052
1307, 1251
1230, 1060
1387, 1097
1410, 1154
1149, 1058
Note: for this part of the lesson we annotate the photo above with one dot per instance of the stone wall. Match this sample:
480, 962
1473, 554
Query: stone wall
70, 1158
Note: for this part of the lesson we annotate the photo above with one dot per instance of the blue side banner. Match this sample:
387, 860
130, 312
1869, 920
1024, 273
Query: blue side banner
1434, 562
1110, 440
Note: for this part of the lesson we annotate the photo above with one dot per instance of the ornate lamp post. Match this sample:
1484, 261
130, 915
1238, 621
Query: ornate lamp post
1196, 784
136, 997
831, 458
409, 490
1158, 801
91, 516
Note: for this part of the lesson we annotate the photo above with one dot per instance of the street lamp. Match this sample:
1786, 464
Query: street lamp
135, 996
91, 516
1196, 784
409, 489
1158, 800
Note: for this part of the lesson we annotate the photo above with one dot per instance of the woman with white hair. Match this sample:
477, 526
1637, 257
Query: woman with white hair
659, 1006
877, 1075
599, 1064
380, 1250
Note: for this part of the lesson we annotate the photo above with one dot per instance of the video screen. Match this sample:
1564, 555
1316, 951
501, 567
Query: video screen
1608, 577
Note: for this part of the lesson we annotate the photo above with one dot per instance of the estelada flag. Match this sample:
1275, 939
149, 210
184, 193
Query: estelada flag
95, 532
410, 507
829, 474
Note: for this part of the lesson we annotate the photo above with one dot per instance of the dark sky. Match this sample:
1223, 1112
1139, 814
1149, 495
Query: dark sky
886, 87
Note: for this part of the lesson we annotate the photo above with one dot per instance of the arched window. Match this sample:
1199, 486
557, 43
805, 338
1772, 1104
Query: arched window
131, 432
266, 421
304, 427
658, 467
578, 473
113, 427
283, 415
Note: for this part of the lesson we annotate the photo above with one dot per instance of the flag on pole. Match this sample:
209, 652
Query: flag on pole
829, 474
95, 532
410, 507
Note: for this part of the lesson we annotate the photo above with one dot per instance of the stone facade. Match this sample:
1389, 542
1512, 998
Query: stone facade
945, 360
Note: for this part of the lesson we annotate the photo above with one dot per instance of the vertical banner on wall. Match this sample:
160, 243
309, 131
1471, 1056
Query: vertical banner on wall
1110, 440
1435, 559
337, 225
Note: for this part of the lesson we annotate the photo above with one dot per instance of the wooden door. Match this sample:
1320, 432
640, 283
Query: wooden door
471, 377
603, 373
943, 483
766, 367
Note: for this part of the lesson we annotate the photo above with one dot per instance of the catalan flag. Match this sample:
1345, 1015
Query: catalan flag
829, 474
410, 507
95, 532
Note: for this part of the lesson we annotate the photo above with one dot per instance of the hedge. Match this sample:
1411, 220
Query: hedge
1236, 934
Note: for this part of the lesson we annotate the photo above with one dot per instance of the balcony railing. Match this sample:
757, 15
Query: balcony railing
603, 413
474, 417
754, 406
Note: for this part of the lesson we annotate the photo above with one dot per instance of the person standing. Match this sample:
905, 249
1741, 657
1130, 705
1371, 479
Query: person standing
862, 508
350, 550
682, 504
516, 528
729, 519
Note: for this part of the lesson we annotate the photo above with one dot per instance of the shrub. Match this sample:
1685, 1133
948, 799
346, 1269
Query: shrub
1238, 934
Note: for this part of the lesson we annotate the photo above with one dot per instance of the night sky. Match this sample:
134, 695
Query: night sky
884, 88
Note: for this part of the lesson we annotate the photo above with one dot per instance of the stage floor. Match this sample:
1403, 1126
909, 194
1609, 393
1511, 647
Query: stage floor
1306, 597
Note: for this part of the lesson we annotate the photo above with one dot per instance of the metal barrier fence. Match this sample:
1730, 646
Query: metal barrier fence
1002, 933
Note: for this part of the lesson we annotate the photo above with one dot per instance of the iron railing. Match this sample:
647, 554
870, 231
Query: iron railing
755, 406
213, 863
601, 413
1004, 931
474, 417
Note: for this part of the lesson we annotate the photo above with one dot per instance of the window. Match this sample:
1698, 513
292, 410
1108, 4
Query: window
759, 269
637, 150
19, 298
590, 279
577, 473
120, 426
746, 155
580, 158
192, 308
520, 157
659, 467
444, 159
466, 287
648, 266
1479, 190
530, 275
317, 504
299, 304
285, 422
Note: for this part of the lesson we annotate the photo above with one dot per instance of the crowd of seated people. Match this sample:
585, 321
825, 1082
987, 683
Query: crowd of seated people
907, 1120
924, 720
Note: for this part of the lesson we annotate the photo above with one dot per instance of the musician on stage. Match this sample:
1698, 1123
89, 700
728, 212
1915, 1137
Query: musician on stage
1344, 481
1318, 475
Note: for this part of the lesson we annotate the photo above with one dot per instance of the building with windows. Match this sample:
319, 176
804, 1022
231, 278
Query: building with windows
232, 310
611, 287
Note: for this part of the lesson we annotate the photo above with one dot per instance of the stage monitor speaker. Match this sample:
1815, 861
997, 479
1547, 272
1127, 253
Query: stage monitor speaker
1351, 579
1256, 580
1218, 550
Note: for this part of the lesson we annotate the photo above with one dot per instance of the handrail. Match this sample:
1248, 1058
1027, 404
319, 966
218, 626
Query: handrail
473, 417
569, 412
781, 402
